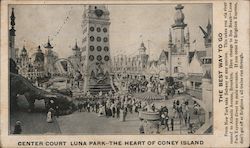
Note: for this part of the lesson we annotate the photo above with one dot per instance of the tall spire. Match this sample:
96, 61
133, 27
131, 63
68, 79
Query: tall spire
76, 48
12, 23
48, 45
170, 43
207, 34
209, 27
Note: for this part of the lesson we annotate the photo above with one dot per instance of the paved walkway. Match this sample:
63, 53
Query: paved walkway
86, 123
90, 123
35, 122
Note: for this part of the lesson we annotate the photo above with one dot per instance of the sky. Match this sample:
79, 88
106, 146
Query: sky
130, 25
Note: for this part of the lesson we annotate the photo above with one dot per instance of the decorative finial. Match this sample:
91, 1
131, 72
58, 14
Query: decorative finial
208, 24
179, 6
48, 40
12, 17
76, 43
12, 23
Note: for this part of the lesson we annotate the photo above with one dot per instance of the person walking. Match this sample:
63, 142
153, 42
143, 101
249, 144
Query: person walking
141, 127
49, 117
118, 111
57, 111
166, 122
88, 107
17, 128
97, 107
172, 124
153, 107
163, 118
113, 108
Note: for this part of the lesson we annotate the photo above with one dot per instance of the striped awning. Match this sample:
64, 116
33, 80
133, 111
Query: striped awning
148, 96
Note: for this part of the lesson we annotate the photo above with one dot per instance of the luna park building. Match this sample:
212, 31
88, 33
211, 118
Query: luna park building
192, 67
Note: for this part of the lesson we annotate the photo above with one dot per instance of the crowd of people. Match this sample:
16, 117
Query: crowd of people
140, 84
179, 113
116, 106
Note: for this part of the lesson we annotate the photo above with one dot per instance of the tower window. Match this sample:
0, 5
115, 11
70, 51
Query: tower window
98, 29
99, 57
106, 48
105, 39
99, 48
106, 58
176, 70
92, 38
98, 39
91, 28
91, 57
105, 29
91, 48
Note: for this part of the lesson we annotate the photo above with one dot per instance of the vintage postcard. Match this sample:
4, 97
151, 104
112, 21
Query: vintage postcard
124, 73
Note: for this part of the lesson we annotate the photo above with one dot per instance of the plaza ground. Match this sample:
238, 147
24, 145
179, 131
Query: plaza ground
35, 122
88, 123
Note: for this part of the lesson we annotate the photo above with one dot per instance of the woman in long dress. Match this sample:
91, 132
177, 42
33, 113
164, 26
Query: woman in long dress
101, 111
49, 117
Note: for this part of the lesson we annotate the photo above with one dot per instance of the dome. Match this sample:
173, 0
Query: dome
179, 16
39, 56
23, 52
142, 47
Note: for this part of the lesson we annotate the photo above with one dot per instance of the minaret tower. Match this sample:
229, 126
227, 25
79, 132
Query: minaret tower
178, 28
12, 34
96, 57
207, 35
170, 41
187, 39
142, 49
48, 58
76, 50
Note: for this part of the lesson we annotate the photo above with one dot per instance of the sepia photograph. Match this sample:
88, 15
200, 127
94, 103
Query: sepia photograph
113, 69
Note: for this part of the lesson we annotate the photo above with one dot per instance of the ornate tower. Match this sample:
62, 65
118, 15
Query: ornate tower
38, 61
12, 34
49, 58
23, 62
179, 45
187, 40
24, 58
76, 57
178, 28
76, 50
96, 53
207, 35
142, 49
143, 57
170, 40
